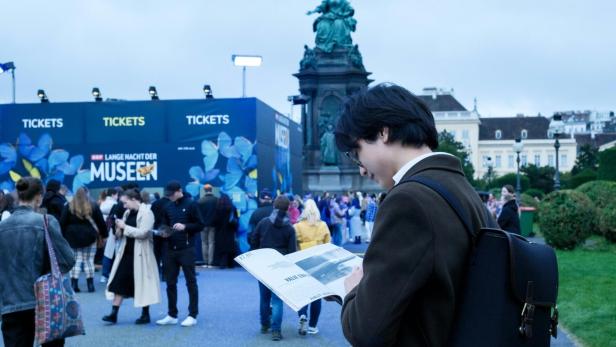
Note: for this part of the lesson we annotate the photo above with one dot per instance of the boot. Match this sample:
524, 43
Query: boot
113, 316
145, 316
90, 284
75, 285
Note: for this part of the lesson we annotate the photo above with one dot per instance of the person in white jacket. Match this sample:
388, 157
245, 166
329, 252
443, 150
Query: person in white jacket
134, 272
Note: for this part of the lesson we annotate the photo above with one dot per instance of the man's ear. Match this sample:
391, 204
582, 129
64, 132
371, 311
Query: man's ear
384, 134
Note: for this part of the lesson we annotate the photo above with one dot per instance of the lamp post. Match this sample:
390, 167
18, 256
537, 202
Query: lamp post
557, 129
490, 164
244, 61
517, 147
6, 67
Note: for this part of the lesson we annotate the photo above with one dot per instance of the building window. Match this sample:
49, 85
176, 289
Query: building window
523, 160
497, 162
510, 161
484, 161
563, 161
524, 134
498, 134
551, 160
537, 159
465, 134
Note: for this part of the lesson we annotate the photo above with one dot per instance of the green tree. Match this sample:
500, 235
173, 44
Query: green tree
587, 159
607, 165
541, 178
510, 178
447, 143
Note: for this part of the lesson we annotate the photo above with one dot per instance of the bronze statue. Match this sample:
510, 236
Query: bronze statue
328, 147
334, 25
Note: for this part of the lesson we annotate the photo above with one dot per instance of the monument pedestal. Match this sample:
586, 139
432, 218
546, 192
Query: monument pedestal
337, 180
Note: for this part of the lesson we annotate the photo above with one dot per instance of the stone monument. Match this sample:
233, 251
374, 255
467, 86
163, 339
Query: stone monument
329, 73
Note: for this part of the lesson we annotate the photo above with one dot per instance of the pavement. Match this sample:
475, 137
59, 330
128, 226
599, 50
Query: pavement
229, 316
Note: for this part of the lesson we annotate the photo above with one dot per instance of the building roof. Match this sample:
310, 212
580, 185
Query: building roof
442, 103
600, 139
511, 128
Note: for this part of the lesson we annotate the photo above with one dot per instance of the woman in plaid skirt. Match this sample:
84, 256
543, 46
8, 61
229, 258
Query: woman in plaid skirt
82, 222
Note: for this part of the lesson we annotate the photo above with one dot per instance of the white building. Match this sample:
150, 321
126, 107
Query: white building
493, 138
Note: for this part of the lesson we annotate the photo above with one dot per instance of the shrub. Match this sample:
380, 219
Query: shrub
535, 193
566, 218
607, 221
607, 165
587, 175
528, 201
601, 193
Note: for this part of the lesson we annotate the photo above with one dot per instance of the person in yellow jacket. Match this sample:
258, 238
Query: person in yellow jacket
310, 231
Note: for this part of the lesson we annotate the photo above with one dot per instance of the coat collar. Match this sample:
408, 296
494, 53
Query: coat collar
443, 162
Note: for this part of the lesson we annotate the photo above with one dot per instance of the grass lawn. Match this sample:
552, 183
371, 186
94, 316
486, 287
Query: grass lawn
587, 293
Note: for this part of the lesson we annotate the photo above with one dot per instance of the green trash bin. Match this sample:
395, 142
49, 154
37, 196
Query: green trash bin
526, 220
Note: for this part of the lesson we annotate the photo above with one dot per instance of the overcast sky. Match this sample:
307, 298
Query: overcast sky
523, 56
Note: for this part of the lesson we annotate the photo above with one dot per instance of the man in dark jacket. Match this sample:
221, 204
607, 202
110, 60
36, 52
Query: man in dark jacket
408, 289
180, 222
274, 232
264, 210
207, 207
53, 201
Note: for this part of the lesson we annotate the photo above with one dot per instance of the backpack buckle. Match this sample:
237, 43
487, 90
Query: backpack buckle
526, 327
528, 312
554, 322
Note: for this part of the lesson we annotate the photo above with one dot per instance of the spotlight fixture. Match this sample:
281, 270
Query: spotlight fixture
96, 93
153, 93
207, 90
41, 94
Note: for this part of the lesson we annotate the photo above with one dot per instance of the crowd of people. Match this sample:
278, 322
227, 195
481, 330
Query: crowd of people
140, 239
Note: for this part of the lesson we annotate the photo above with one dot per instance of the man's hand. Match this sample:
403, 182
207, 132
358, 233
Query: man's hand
120, 224
354, 278
179, 226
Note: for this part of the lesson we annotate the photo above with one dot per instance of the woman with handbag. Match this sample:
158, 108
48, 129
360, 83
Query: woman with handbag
135, 272
82, 223
23, 233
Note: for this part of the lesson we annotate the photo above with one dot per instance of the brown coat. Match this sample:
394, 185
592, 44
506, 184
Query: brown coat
414, 266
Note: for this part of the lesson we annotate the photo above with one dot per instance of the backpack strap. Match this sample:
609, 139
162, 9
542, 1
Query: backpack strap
451, 199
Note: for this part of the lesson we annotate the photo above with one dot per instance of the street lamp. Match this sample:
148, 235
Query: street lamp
244, 61
6, 67
517, 147
96, 93
490, 164
41, 95
557, 128
153, 93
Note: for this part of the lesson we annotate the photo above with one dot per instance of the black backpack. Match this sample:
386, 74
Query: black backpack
509, 297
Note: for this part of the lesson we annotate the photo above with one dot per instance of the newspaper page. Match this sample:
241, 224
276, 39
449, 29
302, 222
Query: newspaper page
302, 277
288, 281
328, 264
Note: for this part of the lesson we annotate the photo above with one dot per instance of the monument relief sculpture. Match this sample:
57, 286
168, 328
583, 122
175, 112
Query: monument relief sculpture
334, 25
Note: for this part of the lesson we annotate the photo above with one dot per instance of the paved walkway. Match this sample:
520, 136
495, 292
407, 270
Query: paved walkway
228, 317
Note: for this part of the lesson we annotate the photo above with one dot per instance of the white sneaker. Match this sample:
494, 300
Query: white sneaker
189, 322
303, 321
103, 279
167, 321
312, 330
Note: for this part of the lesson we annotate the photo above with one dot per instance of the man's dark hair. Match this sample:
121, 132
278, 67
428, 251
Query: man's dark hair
133, 194
282, 203
111, 191
366, 113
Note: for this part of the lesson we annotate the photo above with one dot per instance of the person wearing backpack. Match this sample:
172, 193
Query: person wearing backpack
407, 290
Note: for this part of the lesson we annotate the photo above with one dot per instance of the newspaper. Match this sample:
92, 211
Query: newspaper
302, 277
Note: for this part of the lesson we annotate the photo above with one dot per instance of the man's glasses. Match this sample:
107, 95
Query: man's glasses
354, 158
